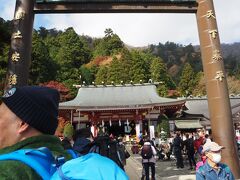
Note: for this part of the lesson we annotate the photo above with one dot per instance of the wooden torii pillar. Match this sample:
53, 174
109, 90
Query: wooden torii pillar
21, 44
216, 83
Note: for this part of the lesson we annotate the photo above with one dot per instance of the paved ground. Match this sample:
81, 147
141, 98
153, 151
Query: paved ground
165, 170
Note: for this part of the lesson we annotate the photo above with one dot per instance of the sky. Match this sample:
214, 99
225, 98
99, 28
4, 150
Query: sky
141, 29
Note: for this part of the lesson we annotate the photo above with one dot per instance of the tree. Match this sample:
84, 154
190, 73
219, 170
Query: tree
102, 75
86, 75
108, 32
43, 68
159, 73
61, 123
233, 85
109, 45
43, 32
68, 130
62, 89
79, 49
3, 67
163, 125
5, 38
188, 80
139, 67
72, 54
200, 88
5, 31
116, 71
162, 90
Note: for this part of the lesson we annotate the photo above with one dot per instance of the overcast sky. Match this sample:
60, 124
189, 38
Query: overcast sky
141, 29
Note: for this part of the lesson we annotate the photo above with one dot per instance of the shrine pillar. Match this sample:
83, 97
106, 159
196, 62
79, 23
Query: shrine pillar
21, 44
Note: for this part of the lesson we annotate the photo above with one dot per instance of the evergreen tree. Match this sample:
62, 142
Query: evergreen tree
43, 32
42, 68
139, 67
108, 32
5, 37
125, 61
86, 75
162, 90
109, 45
188, 80
201, 86
102, 75
159, 73
53, 45
72, 54
116, 72
3, 67
93, 71
163, 127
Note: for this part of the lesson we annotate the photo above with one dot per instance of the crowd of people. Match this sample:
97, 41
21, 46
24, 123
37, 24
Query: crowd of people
29, 149
202, 153
207, 154
106, 145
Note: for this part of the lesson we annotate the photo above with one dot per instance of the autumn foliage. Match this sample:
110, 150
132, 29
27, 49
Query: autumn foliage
62, 89
61, 124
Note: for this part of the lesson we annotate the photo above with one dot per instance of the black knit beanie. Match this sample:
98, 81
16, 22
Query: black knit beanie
35, 105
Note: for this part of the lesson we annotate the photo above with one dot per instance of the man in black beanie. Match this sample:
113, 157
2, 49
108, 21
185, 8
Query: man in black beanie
28, 119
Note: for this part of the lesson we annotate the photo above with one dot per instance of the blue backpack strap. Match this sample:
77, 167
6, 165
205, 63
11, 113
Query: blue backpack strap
73, 154
39, 160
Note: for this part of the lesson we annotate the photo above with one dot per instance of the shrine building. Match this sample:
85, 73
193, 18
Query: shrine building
118, 109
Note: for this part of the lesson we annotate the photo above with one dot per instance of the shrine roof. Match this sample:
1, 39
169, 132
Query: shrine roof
200, 106
127, 96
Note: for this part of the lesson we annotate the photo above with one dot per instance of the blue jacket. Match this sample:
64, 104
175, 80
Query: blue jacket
207, 172
91, 166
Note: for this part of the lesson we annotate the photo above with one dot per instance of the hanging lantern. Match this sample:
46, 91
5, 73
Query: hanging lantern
119, 122
110, 123
127, 128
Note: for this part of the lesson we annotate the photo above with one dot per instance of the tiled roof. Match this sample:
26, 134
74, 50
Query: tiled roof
200, 106
118, 97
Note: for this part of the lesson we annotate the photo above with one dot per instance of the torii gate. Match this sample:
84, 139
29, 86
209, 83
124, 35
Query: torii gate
217, 90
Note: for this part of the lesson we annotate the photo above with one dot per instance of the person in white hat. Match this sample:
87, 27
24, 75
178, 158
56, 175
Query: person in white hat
213, 169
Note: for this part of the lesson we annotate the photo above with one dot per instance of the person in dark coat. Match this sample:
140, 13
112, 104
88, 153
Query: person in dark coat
66, 143
177, 147
189, 145
83, 140
123, 153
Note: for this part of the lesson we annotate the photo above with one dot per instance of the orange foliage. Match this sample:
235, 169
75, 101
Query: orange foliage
62, 89
102, 60
61, 123
173, 93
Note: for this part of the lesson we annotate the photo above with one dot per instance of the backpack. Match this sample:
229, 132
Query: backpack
146, 152
55, 168
104, 146
189, 145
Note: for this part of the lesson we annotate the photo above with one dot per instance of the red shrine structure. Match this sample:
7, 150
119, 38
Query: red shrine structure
118, 109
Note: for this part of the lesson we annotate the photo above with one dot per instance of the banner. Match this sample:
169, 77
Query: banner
152, 132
